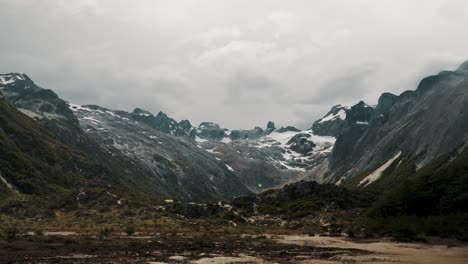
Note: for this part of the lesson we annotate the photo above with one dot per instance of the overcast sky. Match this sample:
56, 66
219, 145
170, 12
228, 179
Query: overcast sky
237, 63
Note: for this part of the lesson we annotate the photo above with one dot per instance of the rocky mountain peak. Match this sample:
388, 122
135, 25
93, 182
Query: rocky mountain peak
463, 67
9, 78
386, 100
139, 111
332, 123
271, 126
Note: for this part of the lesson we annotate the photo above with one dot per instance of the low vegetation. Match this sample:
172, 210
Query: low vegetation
431, 202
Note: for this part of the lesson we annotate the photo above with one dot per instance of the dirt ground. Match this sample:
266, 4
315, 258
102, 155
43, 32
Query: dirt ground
384, 251
218, 249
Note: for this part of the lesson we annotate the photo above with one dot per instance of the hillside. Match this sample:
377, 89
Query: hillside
432, 201
39, 172
401, 133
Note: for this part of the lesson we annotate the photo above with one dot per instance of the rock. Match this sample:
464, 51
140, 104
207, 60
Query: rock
300, 143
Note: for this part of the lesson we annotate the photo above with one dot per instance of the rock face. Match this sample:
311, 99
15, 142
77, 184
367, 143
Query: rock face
287, 129
162, 122
209, 131
246, 134
410, 130
332, 123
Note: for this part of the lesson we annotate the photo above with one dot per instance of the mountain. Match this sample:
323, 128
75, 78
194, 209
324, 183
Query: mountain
272, 159
359, 146
402, 132
163, 123
39, 172
163, 158
158, 164
332, 123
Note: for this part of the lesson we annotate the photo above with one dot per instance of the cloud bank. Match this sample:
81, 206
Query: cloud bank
239, 63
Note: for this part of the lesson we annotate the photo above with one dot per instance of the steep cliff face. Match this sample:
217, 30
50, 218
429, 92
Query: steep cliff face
409, 130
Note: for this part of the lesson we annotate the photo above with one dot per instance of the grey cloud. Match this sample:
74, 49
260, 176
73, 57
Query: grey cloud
245, 86
348, 85
236, 62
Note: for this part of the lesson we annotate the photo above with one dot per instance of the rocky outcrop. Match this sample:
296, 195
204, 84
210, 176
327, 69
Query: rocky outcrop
209, 131
300, 143
246, 134
333, 123
162, 122
287, 129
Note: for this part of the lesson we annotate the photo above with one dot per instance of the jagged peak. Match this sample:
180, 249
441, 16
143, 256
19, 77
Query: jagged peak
362, 104
185, 123
271, 125
208, 125
139, 111
161, 114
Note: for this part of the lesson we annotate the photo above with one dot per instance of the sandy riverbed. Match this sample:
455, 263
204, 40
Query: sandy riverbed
384, 252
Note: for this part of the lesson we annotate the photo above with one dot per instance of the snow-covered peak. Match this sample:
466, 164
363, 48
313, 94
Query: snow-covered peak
341, 114
9, 78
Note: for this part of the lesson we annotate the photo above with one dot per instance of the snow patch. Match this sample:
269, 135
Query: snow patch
340, 115
10, 186
377, 173
29, 113
226, 140
229, 167
200, 140
10, 78
90, 119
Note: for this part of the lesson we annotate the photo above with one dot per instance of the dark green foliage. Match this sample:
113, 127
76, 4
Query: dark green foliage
433, 201
105, 233
34, 161
10, 233
292, 204
130, 229
232, 216
48, 174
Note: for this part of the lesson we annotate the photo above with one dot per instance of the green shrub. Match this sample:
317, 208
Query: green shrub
105, 233
11, 233
130, 229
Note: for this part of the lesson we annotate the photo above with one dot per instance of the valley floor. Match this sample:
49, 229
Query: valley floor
381, 251
206, 248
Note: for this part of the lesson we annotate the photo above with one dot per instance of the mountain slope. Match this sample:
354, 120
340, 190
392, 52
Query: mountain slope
405, 132
174, 165
432, 201
176, 169
34, 163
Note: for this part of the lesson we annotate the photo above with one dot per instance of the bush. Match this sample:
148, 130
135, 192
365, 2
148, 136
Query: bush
130, 230
105, 233
11, 233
